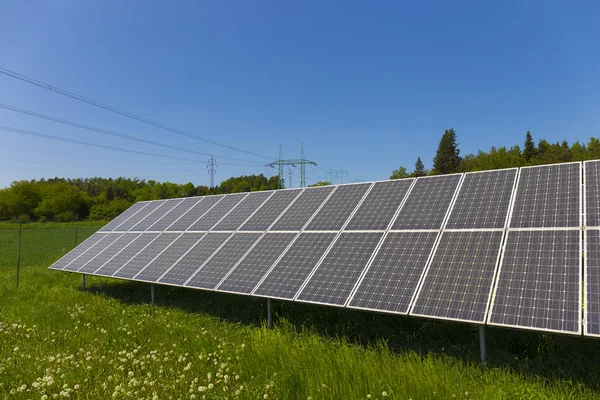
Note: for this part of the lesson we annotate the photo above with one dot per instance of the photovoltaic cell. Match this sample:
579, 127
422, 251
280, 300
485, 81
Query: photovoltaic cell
592, 193
548, 197
303, 208
243, 210
392, 279
341, 268
338, 207
143, 213
198, 210
538, 286
77, 251
169, 257
175, 213
122, 217
217, 212
380, 205
269, 212
108, 253
255, 265
291, 271
92, 252
139, 262
483, 200
156, 215
221, 263
458, 282
185, 267
592, 282
126, 254
427, 203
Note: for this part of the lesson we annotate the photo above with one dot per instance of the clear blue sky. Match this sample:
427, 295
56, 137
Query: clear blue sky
366, 85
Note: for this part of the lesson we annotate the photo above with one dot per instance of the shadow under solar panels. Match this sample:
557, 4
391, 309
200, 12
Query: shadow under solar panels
458, 282
539, 282
391, 281
291, 271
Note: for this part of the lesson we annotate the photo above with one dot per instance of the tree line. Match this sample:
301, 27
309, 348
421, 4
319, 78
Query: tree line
448, 160
60, 199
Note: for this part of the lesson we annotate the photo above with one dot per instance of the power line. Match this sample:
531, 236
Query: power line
112, 133
115, 110
83, 143
34, 51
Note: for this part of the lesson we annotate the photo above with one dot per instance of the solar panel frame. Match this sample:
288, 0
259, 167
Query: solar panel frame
143, 203
499, 272
591, 222
516, 194
160, 212
448, 219
586, 287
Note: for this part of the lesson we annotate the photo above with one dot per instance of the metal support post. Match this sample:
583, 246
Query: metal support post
482, 351
82, 281
19, 253
76, 234
269, 315
152, 293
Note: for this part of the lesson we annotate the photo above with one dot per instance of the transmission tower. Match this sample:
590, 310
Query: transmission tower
301, 161
290, 175
212, 169
338, 172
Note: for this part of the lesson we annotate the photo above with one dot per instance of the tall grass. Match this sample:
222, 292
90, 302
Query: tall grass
108, 342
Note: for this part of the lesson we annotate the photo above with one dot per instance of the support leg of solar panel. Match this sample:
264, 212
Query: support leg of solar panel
482, 349
269, 315
82, 281
152, 293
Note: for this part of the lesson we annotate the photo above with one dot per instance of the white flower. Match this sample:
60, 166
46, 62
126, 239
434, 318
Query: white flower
201, 388
44, 397
369, 396
384, 394
16, 349
210, 386
76, 387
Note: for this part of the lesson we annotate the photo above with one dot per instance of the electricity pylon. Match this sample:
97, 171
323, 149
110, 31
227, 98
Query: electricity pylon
338, 172
301, 161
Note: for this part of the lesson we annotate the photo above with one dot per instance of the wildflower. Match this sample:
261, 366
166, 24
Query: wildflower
155, 397
16, 349
44, 397
201, 388
210, 386
384, 394
369, 396
76, 387
266, 396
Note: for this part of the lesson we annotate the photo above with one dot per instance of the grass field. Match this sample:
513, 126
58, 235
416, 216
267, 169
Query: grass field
58, 341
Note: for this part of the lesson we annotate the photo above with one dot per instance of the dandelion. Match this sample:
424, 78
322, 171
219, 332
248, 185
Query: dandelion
16, 349
76, 387
155, 397
384, 394
44, 397
369, 396
202, 388
210, 386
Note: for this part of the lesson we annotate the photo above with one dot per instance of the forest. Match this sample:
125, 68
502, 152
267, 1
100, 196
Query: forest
61, 199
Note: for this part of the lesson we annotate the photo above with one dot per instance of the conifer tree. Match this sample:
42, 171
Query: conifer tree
447, 157
529, 151
419, 168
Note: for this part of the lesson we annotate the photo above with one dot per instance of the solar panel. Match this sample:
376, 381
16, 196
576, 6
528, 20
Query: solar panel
427, 203
92, 252
303, 208
483, 200
341, 268
168, 257
192, 261
77, 251
108, 253
126, 254
246, 275
539, 282
380, 205
124, 216
243, 211
592, 193
156, 215
548, 196
393, 276
338, 207
293, 268
268, 213
137, 217
194, 213
174, 214
220, 210
215, 269
144, 257
458, 282
592, 282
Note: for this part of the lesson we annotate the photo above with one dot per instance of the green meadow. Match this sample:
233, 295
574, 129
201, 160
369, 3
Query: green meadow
58, 341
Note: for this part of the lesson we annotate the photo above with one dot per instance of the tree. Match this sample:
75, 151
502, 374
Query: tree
530, 150
400, 173
419, 168
447, 157
320, 183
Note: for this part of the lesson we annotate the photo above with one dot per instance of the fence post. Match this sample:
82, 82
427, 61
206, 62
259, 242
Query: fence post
76, 233
19, 252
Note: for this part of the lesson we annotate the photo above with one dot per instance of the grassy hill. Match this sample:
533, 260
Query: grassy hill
58, 341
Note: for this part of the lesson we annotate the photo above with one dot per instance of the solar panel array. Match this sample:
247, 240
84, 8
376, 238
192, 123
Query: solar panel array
501, 247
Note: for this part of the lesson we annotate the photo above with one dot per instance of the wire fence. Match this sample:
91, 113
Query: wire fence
27, 245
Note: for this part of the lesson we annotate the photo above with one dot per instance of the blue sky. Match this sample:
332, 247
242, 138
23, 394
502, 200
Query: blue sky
365, 85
